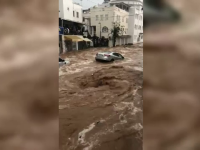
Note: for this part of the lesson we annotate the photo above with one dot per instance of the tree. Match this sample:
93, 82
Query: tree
116, 32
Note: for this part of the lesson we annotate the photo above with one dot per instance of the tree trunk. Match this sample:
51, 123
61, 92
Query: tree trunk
114, 42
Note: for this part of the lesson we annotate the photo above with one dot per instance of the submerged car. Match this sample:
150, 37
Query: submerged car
108, 56
62, 62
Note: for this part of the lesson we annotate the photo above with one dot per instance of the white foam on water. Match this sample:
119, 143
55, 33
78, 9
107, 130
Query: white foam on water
81, 135
137, 127
135, 110
61, 73
89, 147
123, 105
138, 68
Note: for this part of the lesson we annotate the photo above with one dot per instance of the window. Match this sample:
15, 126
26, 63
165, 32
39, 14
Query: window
116, 54
136, 16
97, 17
68, 8
106, 17
122, 19
140, 17
73, 14
135, 26
77, 14
105, 29
101, 17
118, 18
126, 20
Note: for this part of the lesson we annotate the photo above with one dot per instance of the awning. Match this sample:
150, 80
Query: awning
85, 39
74, 38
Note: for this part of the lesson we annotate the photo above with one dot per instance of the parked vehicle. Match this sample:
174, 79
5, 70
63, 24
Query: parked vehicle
108, 56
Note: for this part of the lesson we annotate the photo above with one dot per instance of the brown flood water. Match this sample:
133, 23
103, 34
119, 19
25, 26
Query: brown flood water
101, 103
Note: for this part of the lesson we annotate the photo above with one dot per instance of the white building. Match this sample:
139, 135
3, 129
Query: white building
87, 22
100, 21
70, 11
136, 24
135, 21
71, 19
104, 17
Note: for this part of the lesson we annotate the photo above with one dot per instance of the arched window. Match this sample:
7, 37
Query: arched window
105, 29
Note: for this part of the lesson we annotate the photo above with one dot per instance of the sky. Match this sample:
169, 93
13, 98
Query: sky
89, 3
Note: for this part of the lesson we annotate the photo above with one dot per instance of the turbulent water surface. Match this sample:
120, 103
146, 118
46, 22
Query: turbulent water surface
101, 103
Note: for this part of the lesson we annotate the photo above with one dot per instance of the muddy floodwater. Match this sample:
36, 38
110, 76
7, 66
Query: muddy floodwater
100, 104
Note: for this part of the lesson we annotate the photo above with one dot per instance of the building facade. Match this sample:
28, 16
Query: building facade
135, 21
87, 22
136, 24
70, 17
70, 11
101, 19
104, 17
71, 21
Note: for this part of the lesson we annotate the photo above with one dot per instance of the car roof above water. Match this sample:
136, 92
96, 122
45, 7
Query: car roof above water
105, 52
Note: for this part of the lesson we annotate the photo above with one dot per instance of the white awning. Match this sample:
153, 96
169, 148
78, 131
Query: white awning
85, 39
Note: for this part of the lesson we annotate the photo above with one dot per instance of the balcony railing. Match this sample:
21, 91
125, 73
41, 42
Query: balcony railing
73, 33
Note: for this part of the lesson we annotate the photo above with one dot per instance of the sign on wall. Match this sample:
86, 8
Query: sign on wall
61, 30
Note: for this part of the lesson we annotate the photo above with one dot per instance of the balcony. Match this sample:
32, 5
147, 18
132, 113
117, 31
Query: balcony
73, 33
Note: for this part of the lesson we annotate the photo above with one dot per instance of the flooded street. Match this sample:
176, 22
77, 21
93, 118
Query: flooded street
100, 104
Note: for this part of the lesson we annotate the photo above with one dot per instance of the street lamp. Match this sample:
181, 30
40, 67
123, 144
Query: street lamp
100, 29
